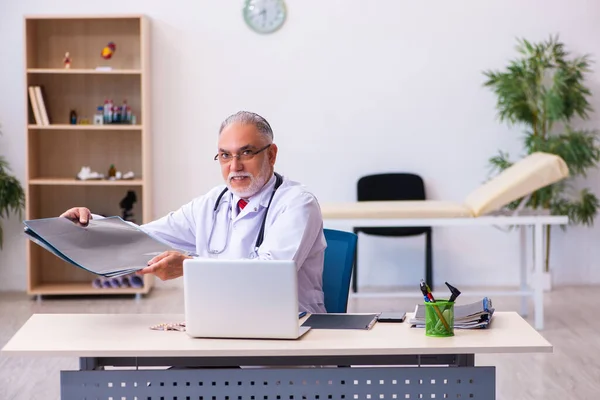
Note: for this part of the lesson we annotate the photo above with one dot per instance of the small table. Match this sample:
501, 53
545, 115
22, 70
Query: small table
390, 361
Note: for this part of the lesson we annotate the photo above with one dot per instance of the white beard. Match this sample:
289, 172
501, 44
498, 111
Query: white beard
256, 183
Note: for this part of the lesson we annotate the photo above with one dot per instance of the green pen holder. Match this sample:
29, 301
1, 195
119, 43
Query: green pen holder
439, 319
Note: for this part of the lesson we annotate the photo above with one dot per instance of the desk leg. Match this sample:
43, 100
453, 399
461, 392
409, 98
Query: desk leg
89, 364
465, 360
538, 290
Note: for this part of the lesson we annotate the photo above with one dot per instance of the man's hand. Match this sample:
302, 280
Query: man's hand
79, 215
168, 265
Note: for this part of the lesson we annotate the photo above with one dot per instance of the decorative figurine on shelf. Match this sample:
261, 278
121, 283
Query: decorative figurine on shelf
112, 172
127, 205
67, 60
73, 117
128, 175
108, 51
86, 173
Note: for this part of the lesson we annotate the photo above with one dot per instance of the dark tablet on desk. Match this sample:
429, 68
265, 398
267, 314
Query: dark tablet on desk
341, 321
391, 317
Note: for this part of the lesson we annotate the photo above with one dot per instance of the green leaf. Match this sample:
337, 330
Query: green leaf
579, 150
12, 195
580, 210
500, 162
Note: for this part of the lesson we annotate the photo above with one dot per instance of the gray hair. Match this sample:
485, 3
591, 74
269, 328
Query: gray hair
247, 117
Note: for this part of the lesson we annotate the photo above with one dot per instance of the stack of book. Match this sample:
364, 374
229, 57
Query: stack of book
38, 106
466, 316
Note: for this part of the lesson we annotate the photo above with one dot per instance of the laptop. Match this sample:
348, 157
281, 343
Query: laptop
249, 299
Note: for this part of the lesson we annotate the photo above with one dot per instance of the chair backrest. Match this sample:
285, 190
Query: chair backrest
337, 270
391, 186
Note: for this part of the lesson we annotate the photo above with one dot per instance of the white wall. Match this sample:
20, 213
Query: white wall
350, 87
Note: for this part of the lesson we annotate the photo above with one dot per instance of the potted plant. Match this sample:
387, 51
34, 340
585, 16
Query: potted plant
544, 92
12, 196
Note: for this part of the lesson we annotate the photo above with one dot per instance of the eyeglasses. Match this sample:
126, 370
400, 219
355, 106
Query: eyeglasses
246, 155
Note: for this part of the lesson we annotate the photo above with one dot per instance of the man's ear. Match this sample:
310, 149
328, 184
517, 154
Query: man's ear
272, 154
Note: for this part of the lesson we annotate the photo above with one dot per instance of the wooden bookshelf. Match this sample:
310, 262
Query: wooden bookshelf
83, 71
57, 151
64, 127
81, 288
89, 182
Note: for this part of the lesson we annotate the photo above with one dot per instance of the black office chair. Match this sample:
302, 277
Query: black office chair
394, 186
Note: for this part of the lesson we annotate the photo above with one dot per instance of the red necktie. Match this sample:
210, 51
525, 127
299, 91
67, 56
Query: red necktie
242, 203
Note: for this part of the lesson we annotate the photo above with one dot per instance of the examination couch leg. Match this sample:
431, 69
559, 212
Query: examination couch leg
538, 290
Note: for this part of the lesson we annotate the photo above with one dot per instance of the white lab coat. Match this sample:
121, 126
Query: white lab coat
293, 231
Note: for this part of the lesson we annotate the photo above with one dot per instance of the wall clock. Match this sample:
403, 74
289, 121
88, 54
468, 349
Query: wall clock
265, 16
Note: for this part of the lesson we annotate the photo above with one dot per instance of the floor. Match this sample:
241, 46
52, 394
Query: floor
572, 371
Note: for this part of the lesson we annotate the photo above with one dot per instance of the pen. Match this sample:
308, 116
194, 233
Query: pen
370, 325
441, 317
427, 293
423, 288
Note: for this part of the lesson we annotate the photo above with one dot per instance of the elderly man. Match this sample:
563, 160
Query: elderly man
256, 214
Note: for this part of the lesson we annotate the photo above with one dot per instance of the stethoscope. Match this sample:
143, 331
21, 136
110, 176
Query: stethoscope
259, 239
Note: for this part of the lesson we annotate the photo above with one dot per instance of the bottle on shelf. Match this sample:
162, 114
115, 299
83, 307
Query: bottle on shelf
129, 120
111, 111
73, 117
99, 116
124, 112
112, 171
116, 115
106, 112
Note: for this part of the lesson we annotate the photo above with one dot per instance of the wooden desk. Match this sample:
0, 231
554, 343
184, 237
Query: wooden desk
386, 361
